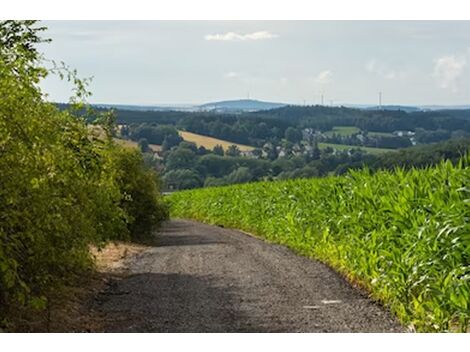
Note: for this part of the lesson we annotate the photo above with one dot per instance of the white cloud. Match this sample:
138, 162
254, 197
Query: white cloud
232, 36
383, 70
324, 77
231, 75
448, 70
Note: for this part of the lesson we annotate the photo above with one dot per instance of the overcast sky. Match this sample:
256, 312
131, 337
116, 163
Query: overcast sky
180, 62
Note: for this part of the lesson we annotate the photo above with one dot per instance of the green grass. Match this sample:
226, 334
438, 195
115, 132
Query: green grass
342, 131
380, 134
347, 147
403, 235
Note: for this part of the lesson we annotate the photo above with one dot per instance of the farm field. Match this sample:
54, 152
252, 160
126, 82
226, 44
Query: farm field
401, 235
380, 134
210, 142
342, 131
346, 147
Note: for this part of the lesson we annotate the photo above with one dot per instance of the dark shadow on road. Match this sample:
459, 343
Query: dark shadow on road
171, 303
166, 240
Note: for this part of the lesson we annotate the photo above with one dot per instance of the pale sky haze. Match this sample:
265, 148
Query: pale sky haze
192, 62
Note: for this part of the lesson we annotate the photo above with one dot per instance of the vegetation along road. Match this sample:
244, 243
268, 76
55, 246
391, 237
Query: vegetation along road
202, 278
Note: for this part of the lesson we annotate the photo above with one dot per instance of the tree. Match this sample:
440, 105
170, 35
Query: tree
240, 175
257, 152
202, 150
233, 151
180, 158
293, 135
141, 186
156, 134
144, 145
219, 150
64, 186
214, 182
182, 179
189, 145
171, 141
216, 165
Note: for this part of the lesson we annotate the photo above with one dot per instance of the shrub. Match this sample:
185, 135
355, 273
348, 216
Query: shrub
140, 188
63, 185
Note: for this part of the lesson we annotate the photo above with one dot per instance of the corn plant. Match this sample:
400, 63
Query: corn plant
402, 235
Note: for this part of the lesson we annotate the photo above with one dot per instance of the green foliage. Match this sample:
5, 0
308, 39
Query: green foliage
181, 158
233, 151
293, 135
139, 187
218, 150
156, 134
343, 131
403, 235
240, 175
64, 185
143, 145
182, 179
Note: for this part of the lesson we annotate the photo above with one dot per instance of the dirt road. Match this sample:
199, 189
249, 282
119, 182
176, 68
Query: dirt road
202, 278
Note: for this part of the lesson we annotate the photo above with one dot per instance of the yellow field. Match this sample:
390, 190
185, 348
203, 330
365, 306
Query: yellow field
210, 143
131, 144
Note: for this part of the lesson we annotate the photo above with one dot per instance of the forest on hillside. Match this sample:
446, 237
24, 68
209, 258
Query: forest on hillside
291, 142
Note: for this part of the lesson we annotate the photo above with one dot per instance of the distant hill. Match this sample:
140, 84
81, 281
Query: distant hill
147, 107
395, 108
250, 105
241, 105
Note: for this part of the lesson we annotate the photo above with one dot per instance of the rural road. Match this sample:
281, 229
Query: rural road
201, 278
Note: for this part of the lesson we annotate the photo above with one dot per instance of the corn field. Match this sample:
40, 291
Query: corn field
404, 236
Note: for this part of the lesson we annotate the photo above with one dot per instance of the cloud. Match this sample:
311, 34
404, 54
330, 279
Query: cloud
232, 36
448, 70
232, 75
382, 70
324, 77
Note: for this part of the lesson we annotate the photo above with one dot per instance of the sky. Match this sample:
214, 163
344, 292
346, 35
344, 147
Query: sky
194, 62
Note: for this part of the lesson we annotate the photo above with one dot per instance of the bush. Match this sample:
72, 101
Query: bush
140, 188
63, 185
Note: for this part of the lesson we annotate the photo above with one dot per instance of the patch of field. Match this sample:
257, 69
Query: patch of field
342, 131
347, 147
131, 144
380, 134
210, 142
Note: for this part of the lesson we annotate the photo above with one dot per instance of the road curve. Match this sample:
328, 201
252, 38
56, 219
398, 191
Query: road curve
202, 278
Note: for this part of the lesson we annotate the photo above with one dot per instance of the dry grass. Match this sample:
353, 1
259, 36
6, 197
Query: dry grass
112, 257
210, 142
70, 309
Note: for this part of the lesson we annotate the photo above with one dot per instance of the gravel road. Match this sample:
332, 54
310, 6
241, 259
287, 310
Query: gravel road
201, 278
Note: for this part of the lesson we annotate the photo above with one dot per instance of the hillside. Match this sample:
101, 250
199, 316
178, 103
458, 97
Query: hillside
241, 105
210, 143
